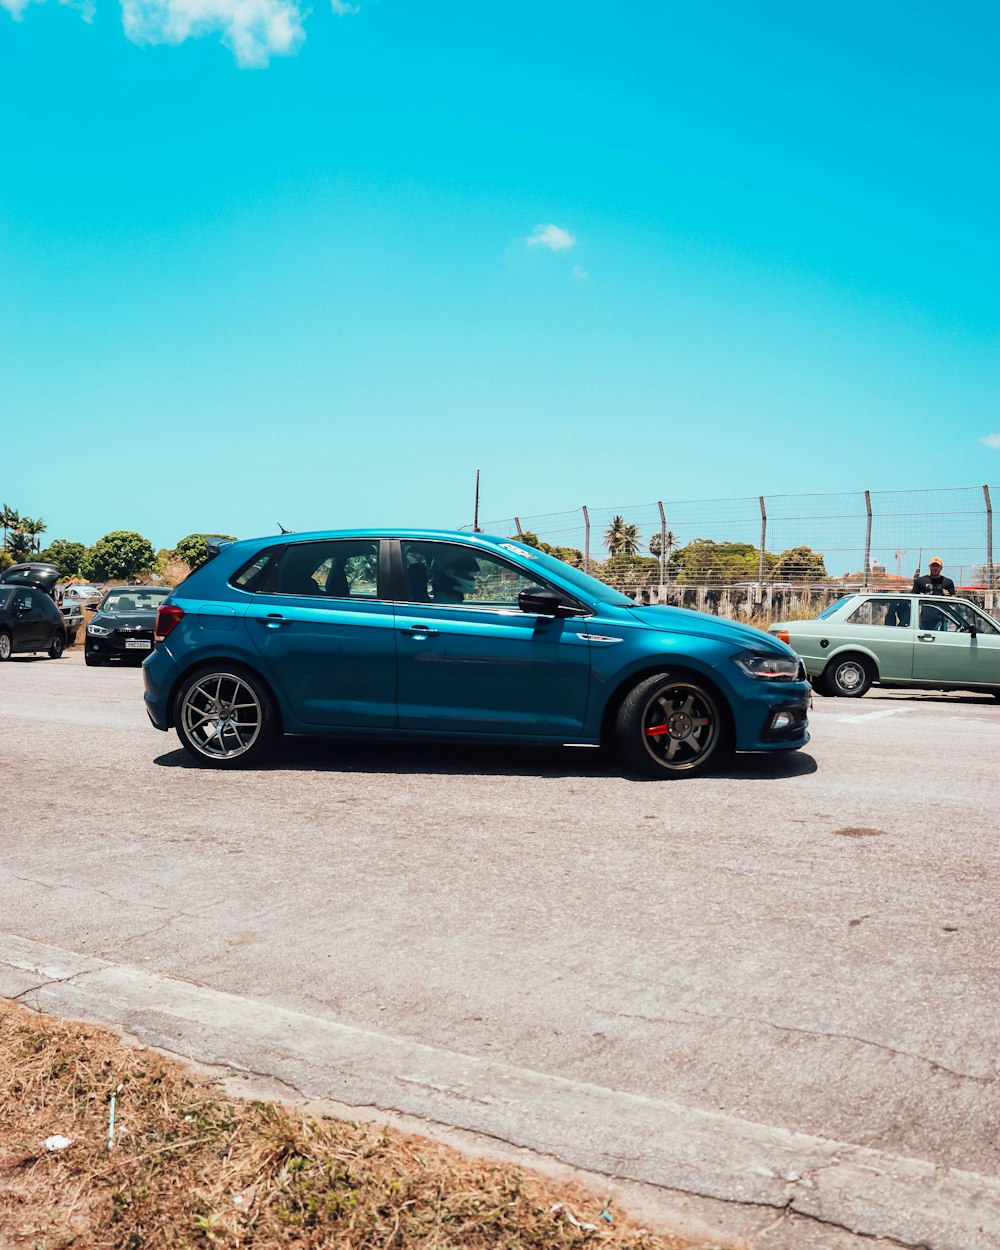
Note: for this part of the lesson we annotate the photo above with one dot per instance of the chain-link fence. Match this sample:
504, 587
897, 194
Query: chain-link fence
759, 544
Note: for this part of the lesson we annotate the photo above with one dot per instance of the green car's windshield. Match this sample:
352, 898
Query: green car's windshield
582, 582
830, 609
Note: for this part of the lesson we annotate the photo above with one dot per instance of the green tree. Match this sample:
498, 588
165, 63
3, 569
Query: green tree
628, 571
568, 555
119, 555
704, 562
193, 550
65, 555
621, 538
799, 564
654, 543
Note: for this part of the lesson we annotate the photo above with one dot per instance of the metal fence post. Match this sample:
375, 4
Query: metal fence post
663, 543
517, 522
989, 549
586, 539
763, 543
868, 538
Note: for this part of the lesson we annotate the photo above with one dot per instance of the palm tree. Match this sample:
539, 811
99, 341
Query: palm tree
621, 538
671, 543
10, 519
34, 527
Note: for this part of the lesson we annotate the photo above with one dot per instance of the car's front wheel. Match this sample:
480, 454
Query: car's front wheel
671, 725
5, 646
225, 717
848, 676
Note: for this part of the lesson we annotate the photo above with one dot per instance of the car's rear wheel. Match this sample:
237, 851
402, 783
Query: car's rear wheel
225, 717
848, 676
671, 725
57, 648
5, 647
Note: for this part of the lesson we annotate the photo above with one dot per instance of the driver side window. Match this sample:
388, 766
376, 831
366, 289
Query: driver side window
450, 573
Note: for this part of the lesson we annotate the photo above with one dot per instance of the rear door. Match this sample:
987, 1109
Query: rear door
29, 625
326, 636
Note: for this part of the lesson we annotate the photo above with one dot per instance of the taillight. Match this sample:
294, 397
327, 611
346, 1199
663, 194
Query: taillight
778, 633
167, 617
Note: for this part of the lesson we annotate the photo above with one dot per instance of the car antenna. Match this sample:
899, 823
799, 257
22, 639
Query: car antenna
283, 530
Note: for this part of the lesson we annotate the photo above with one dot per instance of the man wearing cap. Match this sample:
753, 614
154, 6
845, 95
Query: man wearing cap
933, 582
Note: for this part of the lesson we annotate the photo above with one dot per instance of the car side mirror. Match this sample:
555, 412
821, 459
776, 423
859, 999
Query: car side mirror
541, 602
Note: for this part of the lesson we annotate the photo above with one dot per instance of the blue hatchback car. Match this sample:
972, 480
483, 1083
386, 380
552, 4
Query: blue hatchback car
432, 634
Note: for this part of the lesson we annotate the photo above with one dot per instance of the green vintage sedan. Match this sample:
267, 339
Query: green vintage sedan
897, 640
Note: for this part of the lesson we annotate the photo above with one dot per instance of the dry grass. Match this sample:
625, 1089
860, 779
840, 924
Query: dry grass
193, 1167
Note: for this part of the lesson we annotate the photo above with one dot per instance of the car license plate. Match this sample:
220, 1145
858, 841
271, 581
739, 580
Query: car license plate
137, 644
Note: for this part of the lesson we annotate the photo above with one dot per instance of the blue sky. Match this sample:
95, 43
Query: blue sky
261, 264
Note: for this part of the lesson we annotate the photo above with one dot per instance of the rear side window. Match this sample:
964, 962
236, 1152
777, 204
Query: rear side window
341, 568
251, 574
890, 612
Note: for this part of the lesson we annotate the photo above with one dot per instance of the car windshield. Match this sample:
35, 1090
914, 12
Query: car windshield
830, 609
576, 578
133, 599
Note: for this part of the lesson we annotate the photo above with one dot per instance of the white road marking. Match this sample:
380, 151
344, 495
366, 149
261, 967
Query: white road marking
872, 715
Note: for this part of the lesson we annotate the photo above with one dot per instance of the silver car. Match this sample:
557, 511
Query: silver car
933, 642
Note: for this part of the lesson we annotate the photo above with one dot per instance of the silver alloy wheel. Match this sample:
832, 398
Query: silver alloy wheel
221, 716
849, 676
5, 647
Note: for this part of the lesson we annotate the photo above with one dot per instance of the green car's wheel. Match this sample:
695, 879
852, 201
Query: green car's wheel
848, 676
671, 725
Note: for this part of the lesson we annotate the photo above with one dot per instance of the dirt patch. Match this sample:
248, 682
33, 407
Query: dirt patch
186, 1165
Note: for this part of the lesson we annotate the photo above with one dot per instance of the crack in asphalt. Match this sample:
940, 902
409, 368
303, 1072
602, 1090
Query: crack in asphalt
788, 1028
33, 989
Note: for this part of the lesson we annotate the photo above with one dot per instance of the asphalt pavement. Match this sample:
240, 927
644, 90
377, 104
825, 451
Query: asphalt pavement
766, 997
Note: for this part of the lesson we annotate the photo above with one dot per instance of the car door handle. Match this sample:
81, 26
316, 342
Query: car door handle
273, 620
421, 631
925, 637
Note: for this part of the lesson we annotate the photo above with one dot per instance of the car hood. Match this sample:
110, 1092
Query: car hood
145, 619
701, 625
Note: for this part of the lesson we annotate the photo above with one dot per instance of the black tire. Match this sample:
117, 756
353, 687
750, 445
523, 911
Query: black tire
57, 648
672, 725
848, 676
6, 646
92, 661
225, 716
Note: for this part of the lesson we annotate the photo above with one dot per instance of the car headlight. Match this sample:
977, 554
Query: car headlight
97, 630
768, 667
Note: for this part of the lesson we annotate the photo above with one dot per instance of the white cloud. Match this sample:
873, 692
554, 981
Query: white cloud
343, 9
253, 30
580, 273
991, 440
552, 237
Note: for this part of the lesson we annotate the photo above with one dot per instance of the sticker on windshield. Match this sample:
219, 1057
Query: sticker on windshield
519, 551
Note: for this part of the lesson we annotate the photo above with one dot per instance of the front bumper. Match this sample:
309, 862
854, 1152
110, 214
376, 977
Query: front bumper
116, 646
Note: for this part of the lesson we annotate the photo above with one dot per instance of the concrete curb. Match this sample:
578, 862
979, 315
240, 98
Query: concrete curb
638, 1139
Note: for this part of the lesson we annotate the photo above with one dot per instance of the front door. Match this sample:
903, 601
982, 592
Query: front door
470, 661
945, 649
326, 636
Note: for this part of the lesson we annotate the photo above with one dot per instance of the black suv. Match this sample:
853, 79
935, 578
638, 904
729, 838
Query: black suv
29, 618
